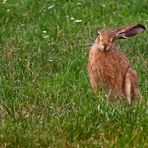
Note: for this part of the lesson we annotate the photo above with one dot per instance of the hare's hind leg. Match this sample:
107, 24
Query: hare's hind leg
128, 88
131, 85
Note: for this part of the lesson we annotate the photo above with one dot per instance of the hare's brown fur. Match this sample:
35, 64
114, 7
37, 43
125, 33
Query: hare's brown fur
111, 69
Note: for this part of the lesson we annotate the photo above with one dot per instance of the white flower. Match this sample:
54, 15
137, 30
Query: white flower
4, 1
50, 7
79, 4
44, 31
72, 18
78, 21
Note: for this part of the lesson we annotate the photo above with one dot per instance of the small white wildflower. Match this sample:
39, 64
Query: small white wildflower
79, 4
4, 1
72, 18
50, 7
44, 31
8, 10
78, 21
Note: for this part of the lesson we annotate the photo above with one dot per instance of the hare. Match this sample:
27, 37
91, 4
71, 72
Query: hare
109, 68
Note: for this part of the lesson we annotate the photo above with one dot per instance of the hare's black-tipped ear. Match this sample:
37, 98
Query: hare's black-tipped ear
129, 31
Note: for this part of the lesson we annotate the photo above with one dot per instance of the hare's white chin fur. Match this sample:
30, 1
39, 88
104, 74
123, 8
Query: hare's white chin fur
102, 48
108, 48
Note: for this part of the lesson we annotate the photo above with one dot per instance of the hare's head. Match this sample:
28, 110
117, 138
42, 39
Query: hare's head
107, 36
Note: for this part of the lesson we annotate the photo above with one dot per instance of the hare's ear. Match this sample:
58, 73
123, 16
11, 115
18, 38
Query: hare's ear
129, 31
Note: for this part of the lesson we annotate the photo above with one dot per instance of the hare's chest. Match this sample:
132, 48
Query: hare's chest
107, 66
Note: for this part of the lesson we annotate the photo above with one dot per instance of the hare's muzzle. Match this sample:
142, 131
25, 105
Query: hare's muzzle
106, 47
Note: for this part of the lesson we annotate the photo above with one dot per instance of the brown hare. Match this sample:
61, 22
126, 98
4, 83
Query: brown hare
109, 68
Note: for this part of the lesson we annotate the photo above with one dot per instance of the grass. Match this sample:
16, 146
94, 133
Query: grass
46, 98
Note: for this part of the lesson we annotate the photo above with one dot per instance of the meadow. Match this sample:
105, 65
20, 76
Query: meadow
45, 96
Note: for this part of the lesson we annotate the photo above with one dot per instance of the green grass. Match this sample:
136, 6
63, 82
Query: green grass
45, 96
